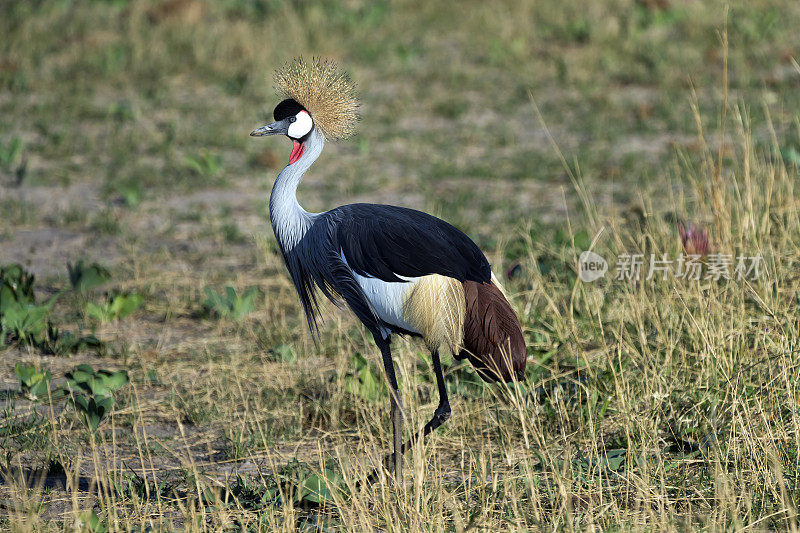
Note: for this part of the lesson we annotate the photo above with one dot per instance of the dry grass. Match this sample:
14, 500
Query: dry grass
661, 404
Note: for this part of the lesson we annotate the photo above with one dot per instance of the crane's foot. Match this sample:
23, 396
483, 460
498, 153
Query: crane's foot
388, 466
390, 462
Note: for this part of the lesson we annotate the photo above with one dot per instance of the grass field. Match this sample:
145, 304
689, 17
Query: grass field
131, 192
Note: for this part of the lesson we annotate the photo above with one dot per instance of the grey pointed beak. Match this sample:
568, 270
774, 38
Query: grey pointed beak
280, 127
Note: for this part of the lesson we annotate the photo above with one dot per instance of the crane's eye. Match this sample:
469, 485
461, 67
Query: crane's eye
293, 119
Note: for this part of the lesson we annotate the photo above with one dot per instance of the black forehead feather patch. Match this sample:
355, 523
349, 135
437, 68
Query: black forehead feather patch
287, 108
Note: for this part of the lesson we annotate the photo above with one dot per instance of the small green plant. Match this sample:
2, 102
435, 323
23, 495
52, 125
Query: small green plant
92, 410
92, 392
16, 286
116, 307
85, 277
33, 382
11, 159
284, 353
89, 521
790, 154
296, 481
23, 321
130, 485
308, 487
231, 305
364, 381
30, 324
130, 192
121, 111
204, 163
67, 342
316, 488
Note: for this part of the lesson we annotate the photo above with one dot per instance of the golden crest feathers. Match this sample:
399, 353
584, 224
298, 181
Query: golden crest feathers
325, 91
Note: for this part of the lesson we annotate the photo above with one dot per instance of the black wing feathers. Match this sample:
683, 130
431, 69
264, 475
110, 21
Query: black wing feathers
385, 242
378, 241
316, 262
304, 282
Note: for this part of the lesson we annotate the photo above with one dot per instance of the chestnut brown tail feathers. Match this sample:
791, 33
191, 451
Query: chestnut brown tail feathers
493, 340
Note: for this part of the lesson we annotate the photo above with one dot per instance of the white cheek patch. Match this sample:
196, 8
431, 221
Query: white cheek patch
301, 126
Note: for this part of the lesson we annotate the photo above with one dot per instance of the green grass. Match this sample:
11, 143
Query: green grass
536, 127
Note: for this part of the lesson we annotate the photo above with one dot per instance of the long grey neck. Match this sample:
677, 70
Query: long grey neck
290, 222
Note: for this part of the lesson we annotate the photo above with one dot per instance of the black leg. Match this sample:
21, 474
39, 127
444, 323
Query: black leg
442, 412
396, 463
440, 416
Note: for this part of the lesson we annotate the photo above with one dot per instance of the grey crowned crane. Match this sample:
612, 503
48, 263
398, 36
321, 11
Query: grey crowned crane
399, 270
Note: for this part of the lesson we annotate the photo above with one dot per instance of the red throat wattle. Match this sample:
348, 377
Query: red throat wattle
297, 151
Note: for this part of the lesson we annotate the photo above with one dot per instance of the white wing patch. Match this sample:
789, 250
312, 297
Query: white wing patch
387, 297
